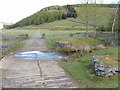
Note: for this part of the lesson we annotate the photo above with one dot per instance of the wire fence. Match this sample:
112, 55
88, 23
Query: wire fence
66, 35
100, 35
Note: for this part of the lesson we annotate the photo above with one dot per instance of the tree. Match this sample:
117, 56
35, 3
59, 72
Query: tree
115, 18
71, 11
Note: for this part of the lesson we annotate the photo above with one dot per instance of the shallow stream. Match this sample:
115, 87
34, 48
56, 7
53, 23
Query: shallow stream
37, 55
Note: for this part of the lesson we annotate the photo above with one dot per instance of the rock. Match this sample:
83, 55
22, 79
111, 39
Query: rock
99, 47
88, 49
83, 49
22, 37
6, 46
63, 44
103, 70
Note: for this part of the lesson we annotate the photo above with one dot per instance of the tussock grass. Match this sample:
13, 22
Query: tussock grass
76, 42
82, 41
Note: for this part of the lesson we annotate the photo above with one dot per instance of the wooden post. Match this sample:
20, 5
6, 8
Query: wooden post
87, 17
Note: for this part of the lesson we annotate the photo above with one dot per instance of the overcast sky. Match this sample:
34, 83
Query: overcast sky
15, 10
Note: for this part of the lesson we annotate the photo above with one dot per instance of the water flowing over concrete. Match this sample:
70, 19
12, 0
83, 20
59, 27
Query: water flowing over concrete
43, 73
37, 55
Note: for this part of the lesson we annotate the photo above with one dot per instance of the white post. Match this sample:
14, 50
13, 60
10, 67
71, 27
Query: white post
113, 25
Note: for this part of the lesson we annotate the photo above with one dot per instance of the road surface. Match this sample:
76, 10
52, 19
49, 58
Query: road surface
18, 73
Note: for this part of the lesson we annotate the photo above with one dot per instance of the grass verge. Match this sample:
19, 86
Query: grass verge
17, 46
10, 34
80, 70
76, 42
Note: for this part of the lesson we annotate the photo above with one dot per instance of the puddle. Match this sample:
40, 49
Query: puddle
36, 55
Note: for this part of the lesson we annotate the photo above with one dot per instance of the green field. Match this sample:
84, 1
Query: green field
13, 33
102, 18
9, 36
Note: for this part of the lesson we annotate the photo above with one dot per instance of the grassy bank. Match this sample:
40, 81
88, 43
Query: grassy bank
80, 70
77, 43
17, 46
9, 36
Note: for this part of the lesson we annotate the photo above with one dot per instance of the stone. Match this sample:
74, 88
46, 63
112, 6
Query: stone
103, 70
99, 47
82, 49
6, 46
88, 49
22, 37
63, 44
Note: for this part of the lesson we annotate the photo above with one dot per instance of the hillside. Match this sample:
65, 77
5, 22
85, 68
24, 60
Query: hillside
75, 16
48, 14
103, 18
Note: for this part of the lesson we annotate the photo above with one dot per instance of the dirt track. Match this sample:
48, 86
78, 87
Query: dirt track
18, 73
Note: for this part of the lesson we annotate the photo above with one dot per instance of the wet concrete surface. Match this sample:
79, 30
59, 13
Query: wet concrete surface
37, 55
43, 73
